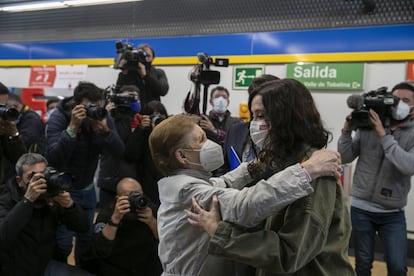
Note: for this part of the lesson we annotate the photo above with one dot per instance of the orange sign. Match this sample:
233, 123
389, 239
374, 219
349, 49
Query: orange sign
42, 76
410, 71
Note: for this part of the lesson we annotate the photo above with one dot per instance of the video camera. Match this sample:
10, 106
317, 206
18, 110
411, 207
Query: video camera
380, 100
127, 52
56, 182
121, 101
8, 114
201, 74
137, 201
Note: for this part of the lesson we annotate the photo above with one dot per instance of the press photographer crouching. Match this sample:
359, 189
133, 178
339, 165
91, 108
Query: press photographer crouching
31, 207
136, 69
125, 235
78, 131
382, 179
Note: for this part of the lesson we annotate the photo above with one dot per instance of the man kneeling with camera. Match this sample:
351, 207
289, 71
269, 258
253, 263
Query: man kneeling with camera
30, 211
126, 238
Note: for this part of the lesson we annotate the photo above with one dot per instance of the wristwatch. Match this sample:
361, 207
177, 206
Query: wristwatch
111, 223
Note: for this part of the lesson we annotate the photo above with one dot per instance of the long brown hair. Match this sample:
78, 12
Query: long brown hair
293, 118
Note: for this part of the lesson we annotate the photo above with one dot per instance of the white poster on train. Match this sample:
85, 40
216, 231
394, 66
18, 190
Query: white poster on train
68, 76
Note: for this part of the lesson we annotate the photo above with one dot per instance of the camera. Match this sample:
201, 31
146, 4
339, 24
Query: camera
95, 112
8, 114
127, 52
203, 74
380, 100
156, 118
56, 182
137, 201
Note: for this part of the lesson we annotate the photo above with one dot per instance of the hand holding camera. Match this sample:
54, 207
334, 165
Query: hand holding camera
145, 121
122, 207
78, 115
145, 216
7, 127
37, 186
64, 199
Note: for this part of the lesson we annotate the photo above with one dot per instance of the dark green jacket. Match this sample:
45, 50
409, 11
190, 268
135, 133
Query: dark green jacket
309, 237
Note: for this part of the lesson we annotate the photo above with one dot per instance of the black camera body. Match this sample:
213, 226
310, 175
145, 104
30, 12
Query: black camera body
8, 114
56, 182
156, 118
132, 56
380, 100
95, 112
137, 201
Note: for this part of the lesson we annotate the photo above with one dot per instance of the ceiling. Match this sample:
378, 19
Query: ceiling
161, 18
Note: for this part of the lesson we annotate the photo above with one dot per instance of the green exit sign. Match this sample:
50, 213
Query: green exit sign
243, 75
328, 76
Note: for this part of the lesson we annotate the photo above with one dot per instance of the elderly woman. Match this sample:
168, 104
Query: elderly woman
186, 157
308, 237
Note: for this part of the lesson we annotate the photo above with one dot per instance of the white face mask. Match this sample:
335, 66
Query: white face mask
258, 132
211, 156
401, 111
220, 105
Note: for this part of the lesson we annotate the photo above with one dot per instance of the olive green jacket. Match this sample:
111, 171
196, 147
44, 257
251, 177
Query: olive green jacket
309, 237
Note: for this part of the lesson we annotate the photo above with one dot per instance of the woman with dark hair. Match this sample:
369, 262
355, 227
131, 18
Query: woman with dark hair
137, 149
308, 237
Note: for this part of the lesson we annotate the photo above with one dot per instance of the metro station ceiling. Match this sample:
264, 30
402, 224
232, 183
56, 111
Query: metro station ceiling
163, 18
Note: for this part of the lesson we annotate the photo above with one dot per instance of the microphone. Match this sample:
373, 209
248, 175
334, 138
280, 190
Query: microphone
355, 102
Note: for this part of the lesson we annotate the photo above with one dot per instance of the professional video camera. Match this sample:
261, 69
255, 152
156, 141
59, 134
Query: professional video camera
380, 100
201, 74
123, 102
8, 114
127, 52
56, 182
137, 201
95, 112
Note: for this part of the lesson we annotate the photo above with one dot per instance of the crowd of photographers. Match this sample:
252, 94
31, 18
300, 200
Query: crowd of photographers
48, 172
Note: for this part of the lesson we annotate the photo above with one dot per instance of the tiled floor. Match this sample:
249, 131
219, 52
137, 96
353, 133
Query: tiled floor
380, 269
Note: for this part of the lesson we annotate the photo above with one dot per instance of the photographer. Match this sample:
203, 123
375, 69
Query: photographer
30, 125
125, 240
77, 133
151, 81
123, 108
11, 144
28, 220
137, 149
381, 182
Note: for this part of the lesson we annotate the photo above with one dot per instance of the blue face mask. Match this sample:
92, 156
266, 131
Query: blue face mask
135, 107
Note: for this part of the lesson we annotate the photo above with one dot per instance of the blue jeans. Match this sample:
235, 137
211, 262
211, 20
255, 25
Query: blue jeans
392, 231
87, 200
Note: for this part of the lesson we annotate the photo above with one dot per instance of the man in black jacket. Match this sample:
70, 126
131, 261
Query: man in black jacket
152, 82
77, 132
125, 240
11, 143
29, 217
30, 125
